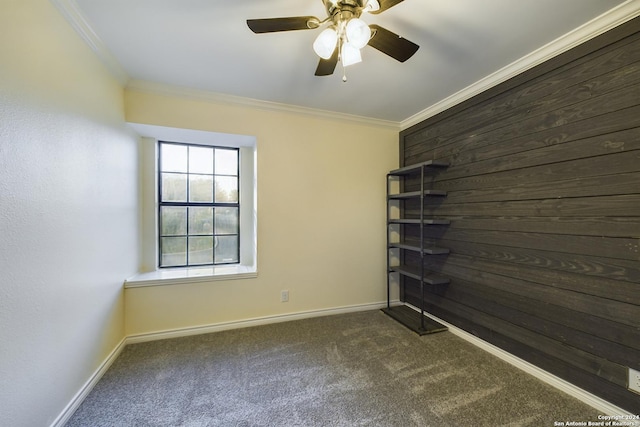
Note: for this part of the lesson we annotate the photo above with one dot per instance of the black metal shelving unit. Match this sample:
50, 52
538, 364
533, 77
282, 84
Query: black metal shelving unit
417, 322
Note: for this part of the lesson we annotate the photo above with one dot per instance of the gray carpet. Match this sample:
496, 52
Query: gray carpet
360, 369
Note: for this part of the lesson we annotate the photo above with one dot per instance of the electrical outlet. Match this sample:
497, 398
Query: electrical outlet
634, 380
284, 296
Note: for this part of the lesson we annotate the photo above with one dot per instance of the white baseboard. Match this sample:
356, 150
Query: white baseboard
182, 332
592, 400
88, 386
257, 321
572, 390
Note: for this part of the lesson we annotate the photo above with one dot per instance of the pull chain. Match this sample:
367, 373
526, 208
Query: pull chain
344, 71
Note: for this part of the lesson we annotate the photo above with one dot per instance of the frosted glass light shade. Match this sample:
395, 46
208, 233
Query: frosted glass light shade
372, 6
350, 55
358, 33
325, 43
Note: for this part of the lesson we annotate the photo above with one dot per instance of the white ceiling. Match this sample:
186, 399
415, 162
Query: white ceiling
205, 45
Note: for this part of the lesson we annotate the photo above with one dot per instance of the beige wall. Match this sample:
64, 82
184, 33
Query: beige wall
68, 213
321, 215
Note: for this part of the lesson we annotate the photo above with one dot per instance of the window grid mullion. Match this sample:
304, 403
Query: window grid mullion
188, 200
188, 204
213, 213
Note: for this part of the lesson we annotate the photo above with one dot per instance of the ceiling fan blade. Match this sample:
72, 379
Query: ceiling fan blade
386, 4
392, 44
327, 66
271, 25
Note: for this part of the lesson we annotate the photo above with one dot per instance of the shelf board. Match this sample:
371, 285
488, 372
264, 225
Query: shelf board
415, 246
411, 319
408, 170
404, 221
429, 278
417, 221
416, 194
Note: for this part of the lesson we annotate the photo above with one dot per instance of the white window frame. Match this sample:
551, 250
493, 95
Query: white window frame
150, 274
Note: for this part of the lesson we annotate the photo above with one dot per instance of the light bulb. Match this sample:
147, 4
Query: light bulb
325, 43
350, 55
358, 33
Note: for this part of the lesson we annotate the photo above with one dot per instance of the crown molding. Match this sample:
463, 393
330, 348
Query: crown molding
599, 25
70, 11
224, 99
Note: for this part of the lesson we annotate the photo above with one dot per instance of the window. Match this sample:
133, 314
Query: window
198, 205
151, 272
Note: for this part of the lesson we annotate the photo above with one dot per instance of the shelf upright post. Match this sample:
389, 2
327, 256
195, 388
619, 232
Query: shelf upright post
388, 243
422, 246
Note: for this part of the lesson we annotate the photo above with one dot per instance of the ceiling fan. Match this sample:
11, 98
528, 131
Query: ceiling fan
345, 34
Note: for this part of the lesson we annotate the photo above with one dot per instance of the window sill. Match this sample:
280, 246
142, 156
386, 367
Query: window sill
179, 276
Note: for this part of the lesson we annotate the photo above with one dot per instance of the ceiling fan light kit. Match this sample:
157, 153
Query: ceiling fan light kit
345, 35
350, 55
358, 33
325, 43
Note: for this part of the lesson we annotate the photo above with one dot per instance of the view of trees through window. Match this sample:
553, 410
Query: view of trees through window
199, 205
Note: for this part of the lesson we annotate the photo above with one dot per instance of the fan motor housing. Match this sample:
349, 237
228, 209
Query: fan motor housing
345, 9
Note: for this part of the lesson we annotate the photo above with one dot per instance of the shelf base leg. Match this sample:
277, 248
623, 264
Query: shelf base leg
411, 319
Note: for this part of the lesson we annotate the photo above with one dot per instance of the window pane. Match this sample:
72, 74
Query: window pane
174, 251
226, 189
174, 187
226, 162
173, 158
193, 180
201, 220
201, 160
226, 220
201, 188
173, 220
200, 250
226, 249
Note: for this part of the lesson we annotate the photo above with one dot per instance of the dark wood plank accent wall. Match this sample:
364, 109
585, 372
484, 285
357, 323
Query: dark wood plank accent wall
544, 202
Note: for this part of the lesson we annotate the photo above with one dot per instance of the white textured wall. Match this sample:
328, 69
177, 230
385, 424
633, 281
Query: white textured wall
321, 215
68, 213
